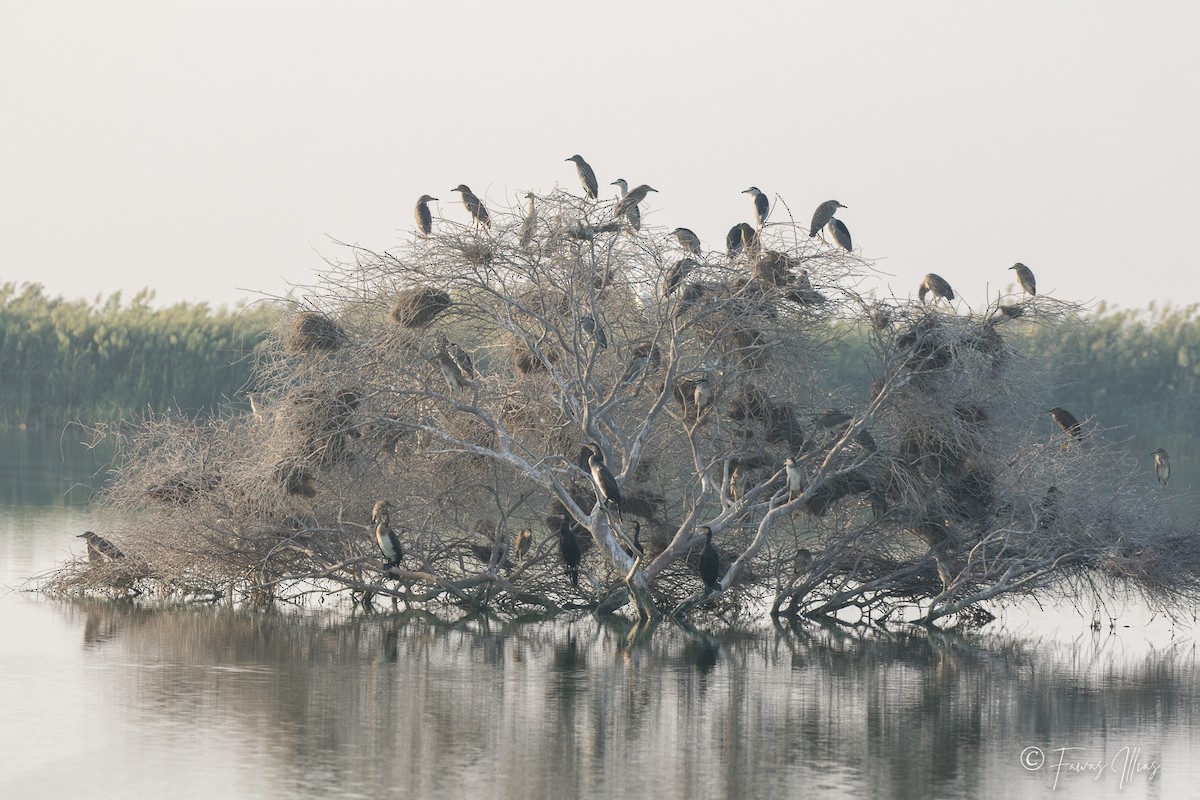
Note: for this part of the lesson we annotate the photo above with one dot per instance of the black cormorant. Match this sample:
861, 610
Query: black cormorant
385, 537
568, 546
607, 491
710, 562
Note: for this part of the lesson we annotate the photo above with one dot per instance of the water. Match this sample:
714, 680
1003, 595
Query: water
108, 699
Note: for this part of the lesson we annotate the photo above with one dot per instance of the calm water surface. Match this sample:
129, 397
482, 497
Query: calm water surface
115, 700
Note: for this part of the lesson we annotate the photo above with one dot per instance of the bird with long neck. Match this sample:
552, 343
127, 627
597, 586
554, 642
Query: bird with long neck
607, 491
710, 561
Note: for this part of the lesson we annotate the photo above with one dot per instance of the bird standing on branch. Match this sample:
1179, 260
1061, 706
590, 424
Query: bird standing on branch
632, 198
474, 205
524, 542
99, 549
1162, 466
840, 234
936, 284
568, 548
607, 491
795, 479
1066, 420
822, 215
423, 215
1025, 278
762, 205
385, 537
710, 561
688, 240
586, 176
632, 215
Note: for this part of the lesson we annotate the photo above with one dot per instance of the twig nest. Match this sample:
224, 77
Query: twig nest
313, 332
418, 306
526, 361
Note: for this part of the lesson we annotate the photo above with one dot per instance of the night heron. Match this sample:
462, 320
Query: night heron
568, 548
1162, 466
936, 284
795, 479
710, 561
586, 176
840, 234
632, 215
802, 562
1066, 420
385, 537
741, 237
474, 205
524, 542
457, 377
702, 396
99, 549
688, 298
762, 204
632, 198
529, 224
822, 215
1025, 278
688, 240
423, 215
594, 331
607, 491
676, 275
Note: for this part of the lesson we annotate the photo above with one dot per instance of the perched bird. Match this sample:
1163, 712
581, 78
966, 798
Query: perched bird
1048, 505
99, 549
385, 537
688, 298
632, 215
607, 491
741, 237
936, 284
632, 198
795, 479
586, 176
840, 234
568, 548
462, 359
423, 215
1162, 466
687, 240
457, 378
256, 406
1025, 278
702, 396
802, 561
524, 542
644, 354
637, 549
762, 204
737, 482
676, 274
822, 215
594, 331
1066, 420
474, 205
710, 562
529, 224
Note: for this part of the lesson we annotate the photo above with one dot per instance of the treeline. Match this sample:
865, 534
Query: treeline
63, 360
1135, 373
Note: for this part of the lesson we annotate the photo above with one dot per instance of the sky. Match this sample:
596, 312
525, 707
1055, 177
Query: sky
215, 151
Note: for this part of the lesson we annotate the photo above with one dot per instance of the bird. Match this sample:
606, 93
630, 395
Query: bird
529, 224
1025, 278
636, 549
457, 378
474, 205
524, 542
607, 491
588, 324
99, 549
688, 298
632, 198
840, 234
762, 205
586, 176
822, 215
462, 359
802, 561
687, 240
737, 482
423, 215
568, 547
675, 275
710, 562
385, 537
1162, 466
936, 284
795, 479
256, 406
702, 396
741, 237
632, 215
645, 354
1066, 420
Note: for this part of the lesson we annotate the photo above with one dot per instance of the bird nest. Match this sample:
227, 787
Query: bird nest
418, 306
313, 332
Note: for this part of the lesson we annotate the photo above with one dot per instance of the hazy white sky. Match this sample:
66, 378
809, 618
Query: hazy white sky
208, 149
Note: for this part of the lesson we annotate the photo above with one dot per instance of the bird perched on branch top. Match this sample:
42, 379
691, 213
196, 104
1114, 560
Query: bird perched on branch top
762, 204
607, 491
636, 549
529, 224
936, 284
676, 274
474, 205
100, 549
1025, 278
423, 215
632, 215
385, 537
1066, 420
688, 240
822, 215
524, 542
840, 234
586, 176
795, 479
710, 561
632, 198
741, 237
568, 548
1162, 466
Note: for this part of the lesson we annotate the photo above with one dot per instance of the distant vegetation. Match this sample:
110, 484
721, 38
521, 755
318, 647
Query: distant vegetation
65, 360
